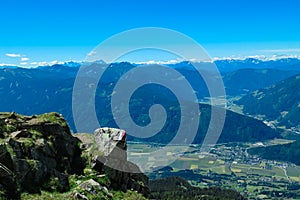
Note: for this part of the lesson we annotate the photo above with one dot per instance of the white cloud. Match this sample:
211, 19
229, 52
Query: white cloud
258, 57
233, 57
24, 59
45, 63
152, 62
13, 55
278, 57
91, 53
280, 50
23, 63
5, 64
149, 62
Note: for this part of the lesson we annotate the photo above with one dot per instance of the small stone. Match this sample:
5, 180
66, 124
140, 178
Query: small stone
90, 186
79, 196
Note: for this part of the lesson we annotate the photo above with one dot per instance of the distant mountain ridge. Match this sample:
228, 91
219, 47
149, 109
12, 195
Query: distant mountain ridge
253, 63
280, 102
224, 64
248, 80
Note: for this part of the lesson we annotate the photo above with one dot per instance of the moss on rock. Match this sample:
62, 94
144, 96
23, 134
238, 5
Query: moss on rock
45, 161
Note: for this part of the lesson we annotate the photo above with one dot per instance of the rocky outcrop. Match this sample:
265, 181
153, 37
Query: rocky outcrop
37, 153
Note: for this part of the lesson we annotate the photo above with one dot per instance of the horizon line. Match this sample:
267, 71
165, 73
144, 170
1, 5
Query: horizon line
261, 58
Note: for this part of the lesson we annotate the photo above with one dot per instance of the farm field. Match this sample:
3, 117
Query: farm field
226, 165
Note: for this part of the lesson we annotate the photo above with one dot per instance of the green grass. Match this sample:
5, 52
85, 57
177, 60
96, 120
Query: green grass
7, 128
46, 196
52, 117
35, 134
117, 195
129, 195
261, 172
77, 180
278, 172
294, 173
222, 169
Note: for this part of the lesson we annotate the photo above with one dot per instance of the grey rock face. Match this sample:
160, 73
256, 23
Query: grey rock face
110, 158
112, 142
8, 183
39, 152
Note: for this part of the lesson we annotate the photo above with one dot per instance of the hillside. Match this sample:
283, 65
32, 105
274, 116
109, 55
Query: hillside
286, 152
177, 188
237, 128
278, 102
244, 81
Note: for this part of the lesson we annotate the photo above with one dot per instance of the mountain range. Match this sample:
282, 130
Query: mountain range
279, 102
47, 89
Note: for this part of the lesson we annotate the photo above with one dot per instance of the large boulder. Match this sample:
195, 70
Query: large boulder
37, 152
111, 142
108, 153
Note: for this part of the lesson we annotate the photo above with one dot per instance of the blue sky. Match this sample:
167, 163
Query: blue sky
36, 31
